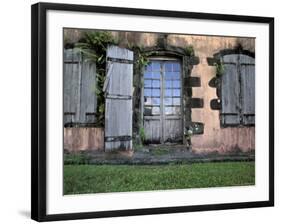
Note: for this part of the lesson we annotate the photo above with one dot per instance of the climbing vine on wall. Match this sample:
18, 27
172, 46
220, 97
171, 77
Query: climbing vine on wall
141, 57
189, 51
219, 69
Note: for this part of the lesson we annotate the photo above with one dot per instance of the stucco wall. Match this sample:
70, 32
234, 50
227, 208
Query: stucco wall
80, 139
215, 138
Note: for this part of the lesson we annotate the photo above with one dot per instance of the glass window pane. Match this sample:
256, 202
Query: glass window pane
168, 67
176, 67
169, 75
155, 92
176, 75
168, 110
176, 84
147, 83
172, 110
168, 101
148, 75
156, 66
176, 101
168, 92
168, 84
156, 75
177, 110
147, 92
176, 92
148, 67
155, 110
156, 101
147, 100
147, 110
156, 83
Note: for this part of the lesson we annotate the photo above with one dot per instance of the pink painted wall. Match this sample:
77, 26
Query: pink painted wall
80, 139
224, 140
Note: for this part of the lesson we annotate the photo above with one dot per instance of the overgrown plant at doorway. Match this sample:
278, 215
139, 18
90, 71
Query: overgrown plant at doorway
93, 45
140, 62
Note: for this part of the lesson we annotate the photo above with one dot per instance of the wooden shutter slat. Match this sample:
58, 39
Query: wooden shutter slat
108, 74
71, 87
230, 59
119, 53
88, 93
118, 107
247, 68
230, 91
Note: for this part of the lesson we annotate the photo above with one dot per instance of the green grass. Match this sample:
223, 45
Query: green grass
80, 179
76, 158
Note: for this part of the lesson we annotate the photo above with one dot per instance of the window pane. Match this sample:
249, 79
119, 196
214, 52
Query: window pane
176, 67
168, 67
147, 111
156, 83
155, 110
148, 75
169, 75
168, 110
177, 110
176, 75
168, 84
168, 92
176, 92
148, 67
176, 101
147, 83
156, 101
147, 92
168, 101
155, 66
176, 84
156, 75
147, 100
172, 110
155, 92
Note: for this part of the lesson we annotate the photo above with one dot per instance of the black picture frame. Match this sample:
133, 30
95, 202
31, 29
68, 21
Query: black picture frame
39, 108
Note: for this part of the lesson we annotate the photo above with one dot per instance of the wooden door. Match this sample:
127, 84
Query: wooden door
118, 104
162, 101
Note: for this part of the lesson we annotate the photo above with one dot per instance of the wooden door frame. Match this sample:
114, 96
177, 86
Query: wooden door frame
167, 56
187, 60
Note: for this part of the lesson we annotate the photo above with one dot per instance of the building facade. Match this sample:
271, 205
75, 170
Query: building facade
196, 90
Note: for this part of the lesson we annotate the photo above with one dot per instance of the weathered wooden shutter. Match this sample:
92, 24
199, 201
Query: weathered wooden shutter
247, 70
230, 89
118, 91
79, 96
88, 93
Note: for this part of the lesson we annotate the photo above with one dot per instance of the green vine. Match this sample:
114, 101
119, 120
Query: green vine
189, 51
142, 59
93, 45
142, 135
219, 69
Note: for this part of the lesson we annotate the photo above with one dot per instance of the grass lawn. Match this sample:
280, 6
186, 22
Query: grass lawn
79, 179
